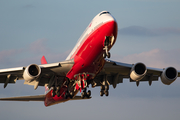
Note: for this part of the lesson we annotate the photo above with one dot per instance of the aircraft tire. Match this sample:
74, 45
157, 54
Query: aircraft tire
104, 55
71, 95
88, 93
58, 94
53, 93
101, 93
82, 95
66, 95
109, 55
106, 93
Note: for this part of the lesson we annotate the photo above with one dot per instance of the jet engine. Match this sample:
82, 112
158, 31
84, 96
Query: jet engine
31, 72
138, 71
169, 75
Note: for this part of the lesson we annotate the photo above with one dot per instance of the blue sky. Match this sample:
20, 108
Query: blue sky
149, 32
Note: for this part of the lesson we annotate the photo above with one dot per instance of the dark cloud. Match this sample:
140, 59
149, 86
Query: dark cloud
143, 31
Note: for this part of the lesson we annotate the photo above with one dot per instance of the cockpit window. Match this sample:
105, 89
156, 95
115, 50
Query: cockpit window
104, 13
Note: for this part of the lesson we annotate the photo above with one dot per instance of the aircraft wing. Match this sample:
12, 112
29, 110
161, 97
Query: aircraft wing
115, 72
36, 98
37, 75
25, 98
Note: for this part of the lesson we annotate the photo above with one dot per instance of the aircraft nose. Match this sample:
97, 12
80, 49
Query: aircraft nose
113, 26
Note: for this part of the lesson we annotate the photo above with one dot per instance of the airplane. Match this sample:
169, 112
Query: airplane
87, 64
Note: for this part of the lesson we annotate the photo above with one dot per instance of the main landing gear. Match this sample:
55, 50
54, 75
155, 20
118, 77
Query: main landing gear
56, 91
104, 87
104, 90
85, 93
69, 95
82, 84
58, 85
106, 44
55, 83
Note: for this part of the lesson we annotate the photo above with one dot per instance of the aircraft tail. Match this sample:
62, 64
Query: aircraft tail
43, 60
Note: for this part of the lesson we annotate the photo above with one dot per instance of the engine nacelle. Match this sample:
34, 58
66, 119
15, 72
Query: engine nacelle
138, 71
31, 72
169, 75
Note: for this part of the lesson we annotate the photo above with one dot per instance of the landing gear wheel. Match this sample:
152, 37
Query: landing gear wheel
57, 91
82, 95
104, 55
109, 55
58, 94
67, 95
106, 93
101, 93
88, 94
53, 93
71, 95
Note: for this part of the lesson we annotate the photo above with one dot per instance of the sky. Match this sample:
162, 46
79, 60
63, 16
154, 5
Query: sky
148, 32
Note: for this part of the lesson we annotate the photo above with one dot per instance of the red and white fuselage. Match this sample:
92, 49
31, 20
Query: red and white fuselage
88, 53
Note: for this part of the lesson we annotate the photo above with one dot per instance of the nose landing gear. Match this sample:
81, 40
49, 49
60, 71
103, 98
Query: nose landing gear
106, 45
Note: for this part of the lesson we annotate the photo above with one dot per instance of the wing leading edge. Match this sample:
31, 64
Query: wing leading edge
25, 98
36, 98
44, 76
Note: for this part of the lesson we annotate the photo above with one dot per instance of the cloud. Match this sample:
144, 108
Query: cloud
143, 31
30, 54
39, 46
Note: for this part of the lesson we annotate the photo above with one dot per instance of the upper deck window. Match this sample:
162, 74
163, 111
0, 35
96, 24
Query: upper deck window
104, 13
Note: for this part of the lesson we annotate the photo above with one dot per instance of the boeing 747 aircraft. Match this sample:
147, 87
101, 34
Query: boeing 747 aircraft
86, 65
